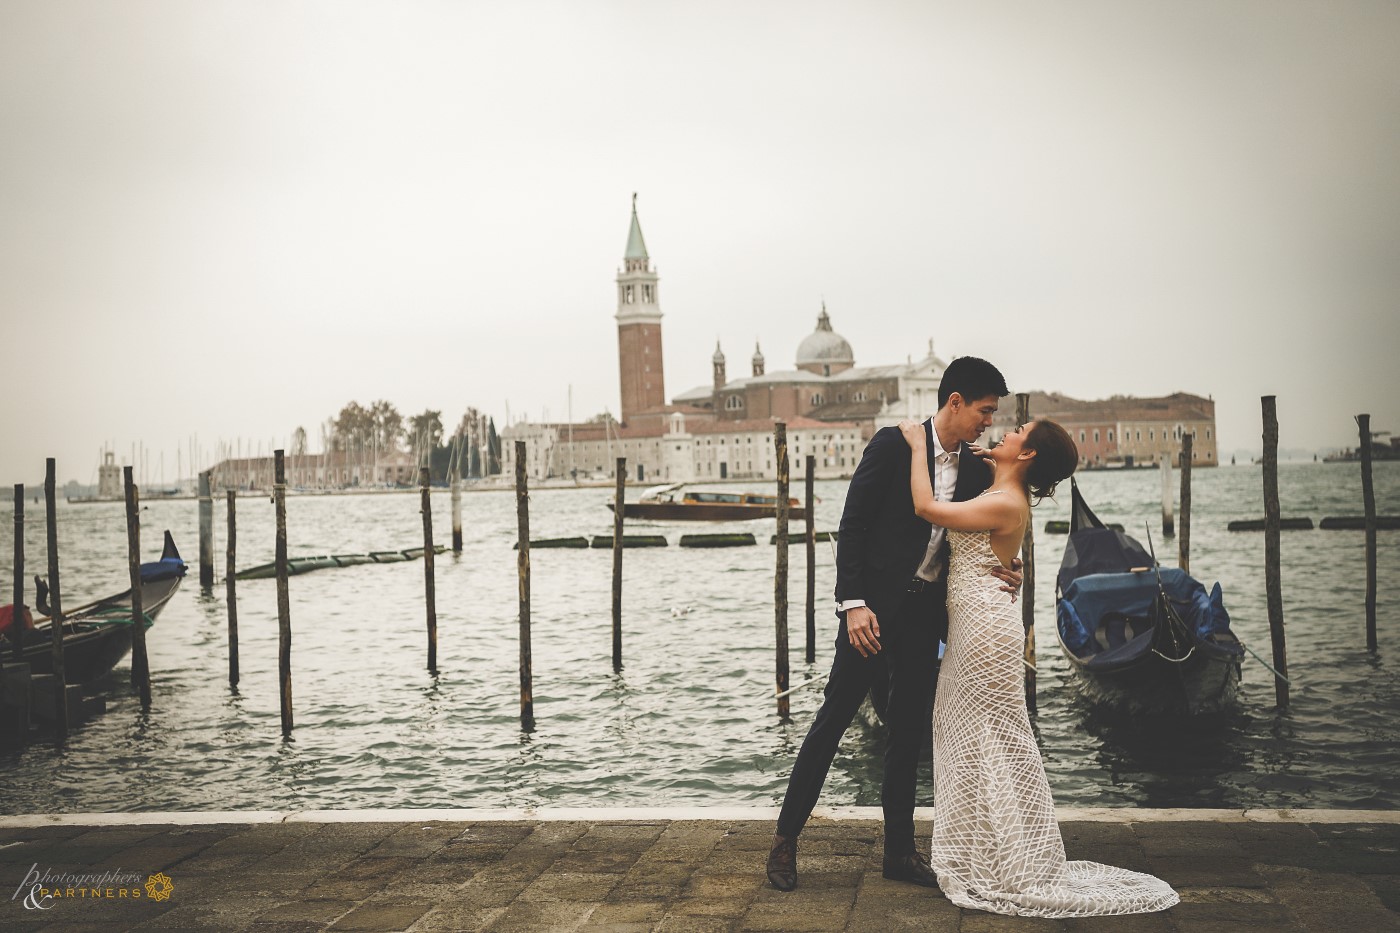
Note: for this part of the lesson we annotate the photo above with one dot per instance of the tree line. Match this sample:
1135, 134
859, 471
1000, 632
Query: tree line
379, 429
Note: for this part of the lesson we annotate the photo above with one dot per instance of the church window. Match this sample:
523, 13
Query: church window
646, 294
1096, 435
816, 398
1081, 437
826, 370
734, 403
1207, 433
858, 397
1152, 434
630, 296
1110, 437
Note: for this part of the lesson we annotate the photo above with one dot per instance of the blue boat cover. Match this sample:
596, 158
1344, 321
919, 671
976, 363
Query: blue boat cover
164, 569
1103, 611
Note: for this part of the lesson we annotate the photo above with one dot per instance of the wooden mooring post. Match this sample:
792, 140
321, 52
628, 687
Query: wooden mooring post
1368, 496
457, 505
284, 605
429, 577
522, 565
231, 597
1183, 538
206, 532
811, 465
1023, 415
1168, 529
619, 500
140, 661
780, 582
1272, 581
18, 600
15, 690
60, 696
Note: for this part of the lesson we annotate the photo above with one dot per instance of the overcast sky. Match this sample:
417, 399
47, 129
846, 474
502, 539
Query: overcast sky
230, 219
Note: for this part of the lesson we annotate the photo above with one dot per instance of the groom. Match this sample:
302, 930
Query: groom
891, 588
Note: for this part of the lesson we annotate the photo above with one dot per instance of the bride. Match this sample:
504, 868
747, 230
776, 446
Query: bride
996, 845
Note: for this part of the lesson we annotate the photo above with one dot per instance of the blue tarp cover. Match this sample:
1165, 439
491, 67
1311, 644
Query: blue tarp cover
1091, 609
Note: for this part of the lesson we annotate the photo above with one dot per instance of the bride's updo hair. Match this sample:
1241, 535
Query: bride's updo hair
1056, 456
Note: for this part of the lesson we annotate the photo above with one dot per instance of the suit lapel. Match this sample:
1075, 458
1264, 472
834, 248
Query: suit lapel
971, 475
932, 461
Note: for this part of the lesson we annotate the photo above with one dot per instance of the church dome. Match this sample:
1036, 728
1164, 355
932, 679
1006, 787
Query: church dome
824, 347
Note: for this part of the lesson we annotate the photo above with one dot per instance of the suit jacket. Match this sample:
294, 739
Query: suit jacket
882, 540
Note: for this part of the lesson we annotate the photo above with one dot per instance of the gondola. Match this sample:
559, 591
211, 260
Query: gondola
1141, 638
96, 636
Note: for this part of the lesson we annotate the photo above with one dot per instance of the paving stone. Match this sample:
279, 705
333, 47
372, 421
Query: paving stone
976, 921
1215, 895
383, 916
1387, 888
1257, 914
904, 914
456, 918
674, 923
1187, 871
567, 886
322, 912
543, 917
594, 860
641, 911
1160, 922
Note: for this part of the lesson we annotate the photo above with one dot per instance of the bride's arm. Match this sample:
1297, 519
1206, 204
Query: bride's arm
986, 513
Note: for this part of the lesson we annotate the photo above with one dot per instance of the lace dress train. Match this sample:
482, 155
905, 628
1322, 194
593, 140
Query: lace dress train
996, 844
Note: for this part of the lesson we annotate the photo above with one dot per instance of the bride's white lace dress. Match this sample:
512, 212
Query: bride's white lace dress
996, 845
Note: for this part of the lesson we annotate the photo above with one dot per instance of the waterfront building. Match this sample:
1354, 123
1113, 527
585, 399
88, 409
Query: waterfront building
338, 469
110, 483
688, 450
1124, 430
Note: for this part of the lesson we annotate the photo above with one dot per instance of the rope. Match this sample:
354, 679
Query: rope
804, 683
1266, 664
115, 616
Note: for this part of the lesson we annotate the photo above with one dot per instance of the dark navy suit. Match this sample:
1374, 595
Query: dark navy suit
882, 544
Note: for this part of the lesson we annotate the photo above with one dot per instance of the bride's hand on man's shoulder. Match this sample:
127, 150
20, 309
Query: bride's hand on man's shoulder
913, 432
983, 454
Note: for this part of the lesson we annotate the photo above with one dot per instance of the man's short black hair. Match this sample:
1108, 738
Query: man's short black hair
972, 378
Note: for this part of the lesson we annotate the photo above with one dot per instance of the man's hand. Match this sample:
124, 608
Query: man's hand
863, 629
1011, 579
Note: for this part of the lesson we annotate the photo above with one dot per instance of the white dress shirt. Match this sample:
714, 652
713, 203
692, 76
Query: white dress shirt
945, 483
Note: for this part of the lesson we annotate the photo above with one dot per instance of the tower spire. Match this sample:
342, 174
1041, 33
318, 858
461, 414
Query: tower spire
636, 246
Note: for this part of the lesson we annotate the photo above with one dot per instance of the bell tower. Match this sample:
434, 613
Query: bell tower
638, 327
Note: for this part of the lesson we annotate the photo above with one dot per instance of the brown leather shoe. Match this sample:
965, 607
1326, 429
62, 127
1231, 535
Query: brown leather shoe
913, 868
782, 863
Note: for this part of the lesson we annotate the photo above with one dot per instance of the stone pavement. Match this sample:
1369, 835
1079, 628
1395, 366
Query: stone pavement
286, 873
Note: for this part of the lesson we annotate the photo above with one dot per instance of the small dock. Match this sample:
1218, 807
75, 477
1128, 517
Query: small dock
664, 869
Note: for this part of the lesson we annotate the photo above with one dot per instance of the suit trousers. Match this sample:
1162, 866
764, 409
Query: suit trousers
909, 651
